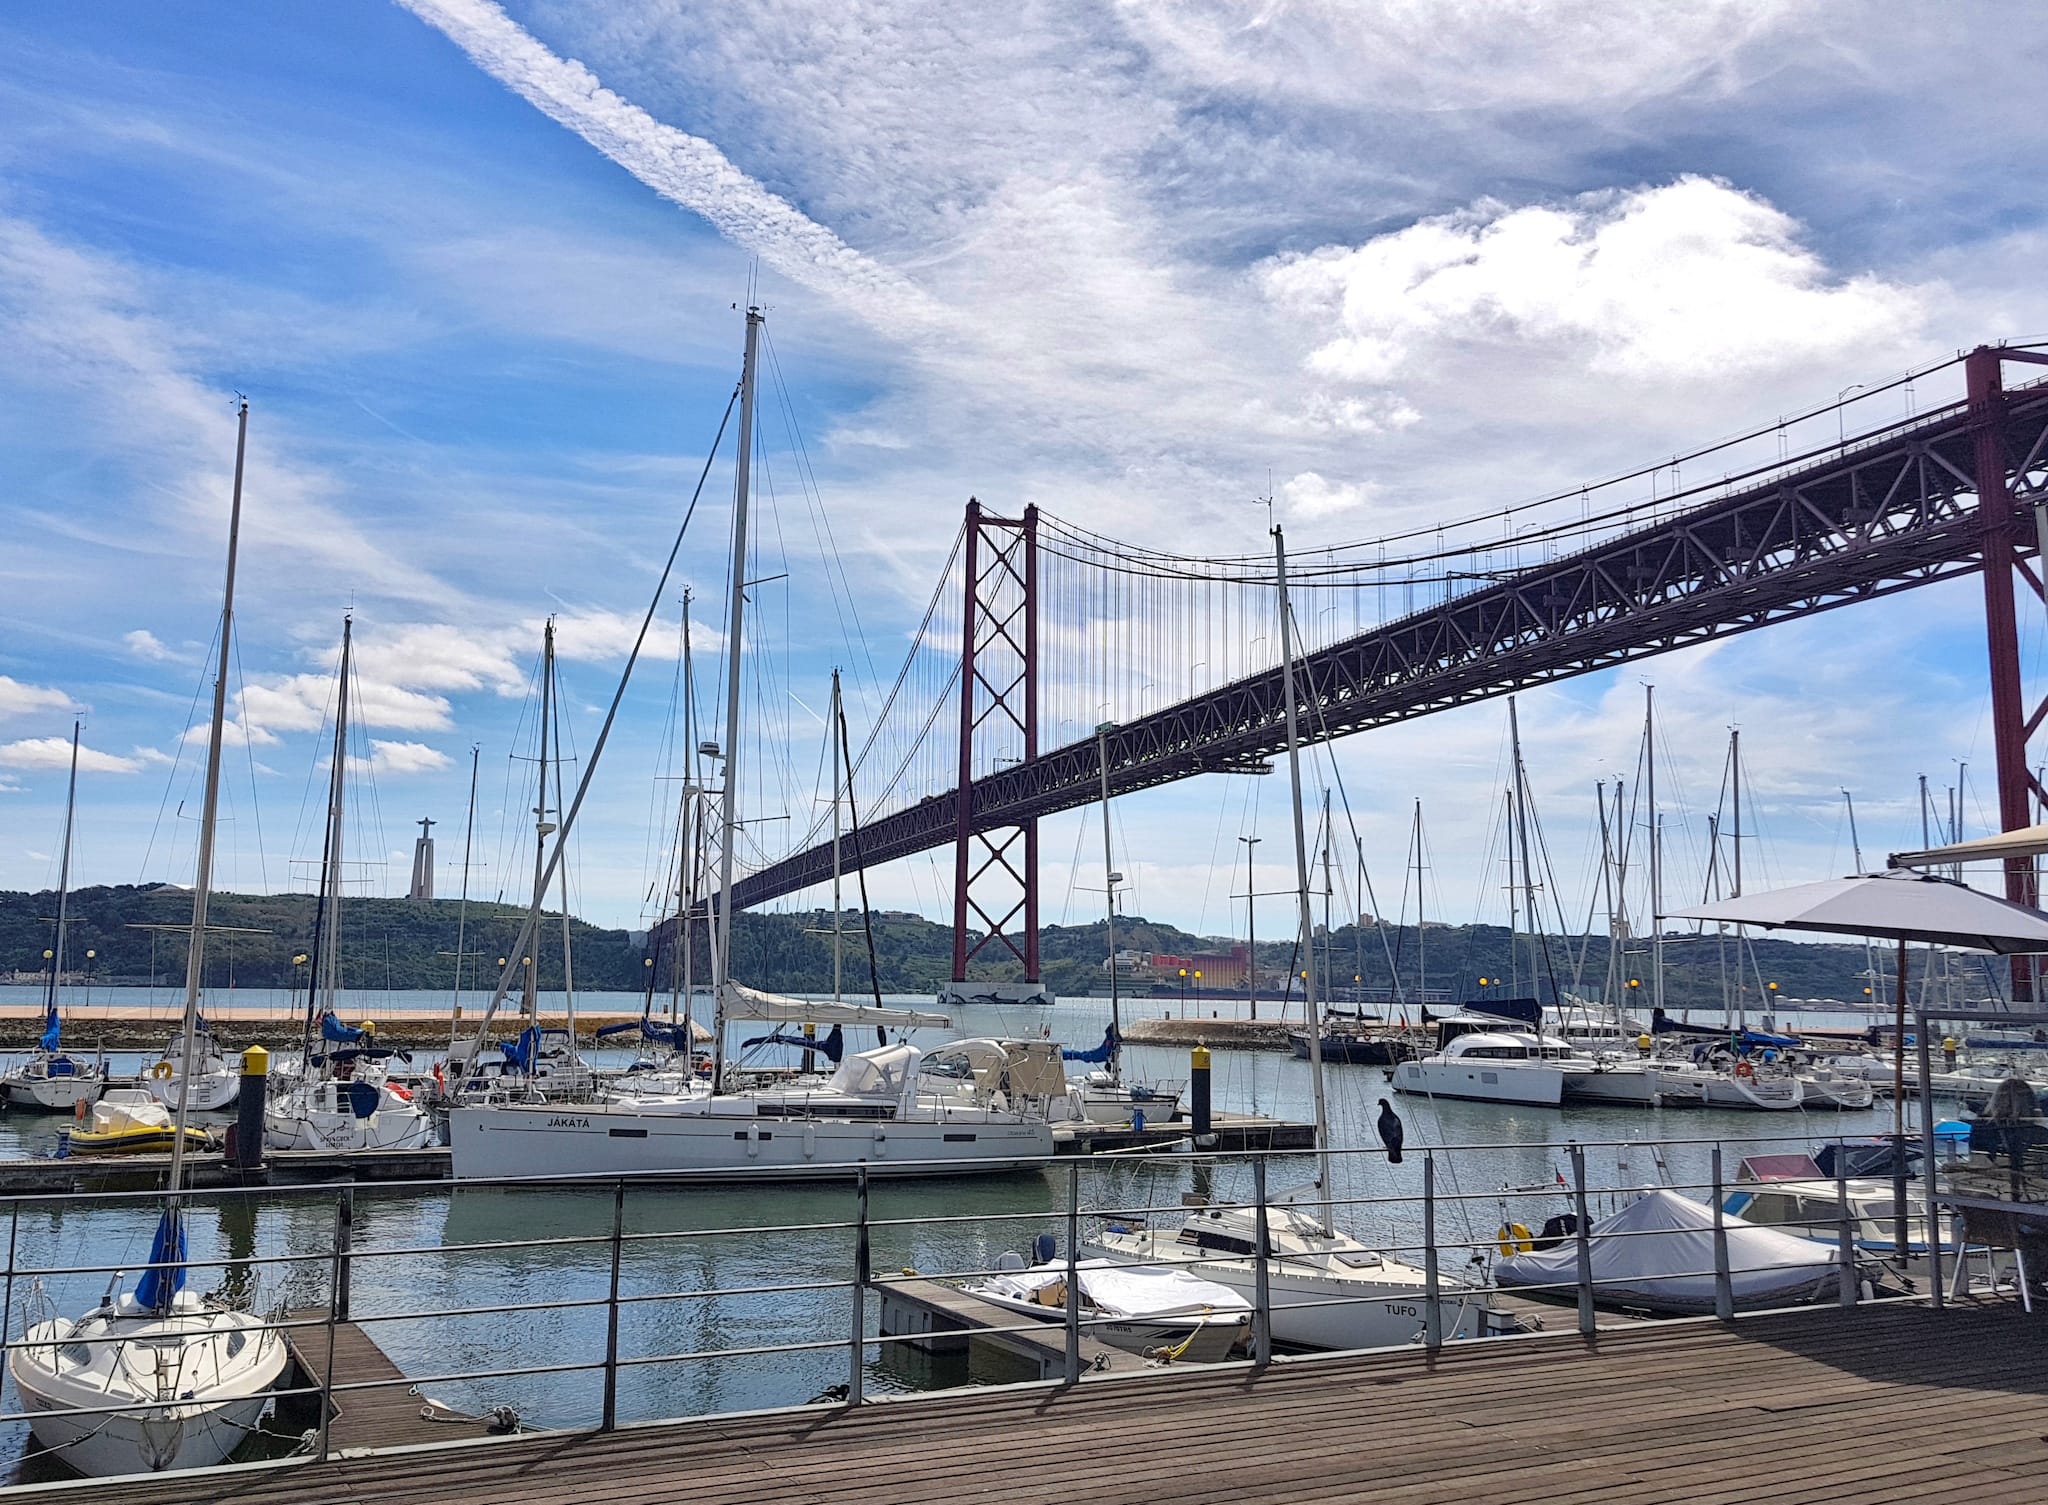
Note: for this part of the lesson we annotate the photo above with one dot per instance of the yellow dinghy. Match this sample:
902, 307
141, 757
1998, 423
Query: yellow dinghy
129, 1121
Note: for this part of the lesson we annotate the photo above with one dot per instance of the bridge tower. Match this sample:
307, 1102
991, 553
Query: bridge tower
2000, 517
995, 872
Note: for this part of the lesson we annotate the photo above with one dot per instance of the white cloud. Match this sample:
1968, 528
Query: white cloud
1690, 281
144, 644
18, 699
55, 752
687, 170
301, 702
405, 757
1431, 55
1310, 498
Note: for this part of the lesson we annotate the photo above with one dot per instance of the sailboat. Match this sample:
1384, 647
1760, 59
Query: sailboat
158, 1378
51, 1080
540, 1065
1327, 1289
876, 1110
340, 1098
1103, 1094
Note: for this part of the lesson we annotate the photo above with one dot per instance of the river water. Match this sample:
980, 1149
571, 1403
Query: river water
935, 1227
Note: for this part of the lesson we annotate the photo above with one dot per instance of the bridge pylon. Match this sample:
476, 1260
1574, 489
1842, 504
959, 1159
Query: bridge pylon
2001, 516
995, 871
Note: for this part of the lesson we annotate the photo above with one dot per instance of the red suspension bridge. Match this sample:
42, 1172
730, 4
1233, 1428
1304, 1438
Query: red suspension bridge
1048, 628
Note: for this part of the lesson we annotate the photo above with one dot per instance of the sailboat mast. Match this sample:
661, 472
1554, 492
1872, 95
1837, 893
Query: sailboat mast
1656, 850
1303, 917
326, 913
721, 958
1421, 961
1109, 877
1329, 889
64, 873
541, 827
209, 813
1741, 950
689, 838
562, 858
831, 735
462, 911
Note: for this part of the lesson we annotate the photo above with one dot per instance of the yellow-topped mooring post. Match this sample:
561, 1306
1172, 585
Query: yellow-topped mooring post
1198, 1095
246, 1151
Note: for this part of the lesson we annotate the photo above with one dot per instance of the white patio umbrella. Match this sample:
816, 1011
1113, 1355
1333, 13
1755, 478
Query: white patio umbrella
1896, 905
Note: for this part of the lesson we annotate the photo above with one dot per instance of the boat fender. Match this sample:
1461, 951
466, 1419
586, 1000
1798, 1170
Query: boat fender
162, 1071
78, 1110
1515, 1238
1744, 1070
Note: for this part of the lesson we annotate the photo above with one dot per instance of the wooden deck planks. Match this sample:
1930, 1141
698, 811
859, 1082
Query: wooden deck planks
1881, 1404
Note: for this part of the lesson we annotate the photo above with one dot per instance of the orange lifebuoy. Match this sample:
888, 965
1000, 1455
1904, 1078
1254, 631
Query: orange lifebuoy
398, 1092
1744, 1070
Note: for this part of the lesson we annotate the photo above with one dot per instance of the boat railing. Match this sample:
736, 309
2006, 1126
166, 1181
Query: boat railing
642, 1244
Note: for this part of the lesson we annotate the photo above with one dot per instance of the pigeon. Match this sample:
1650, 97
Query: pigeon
1391, 1132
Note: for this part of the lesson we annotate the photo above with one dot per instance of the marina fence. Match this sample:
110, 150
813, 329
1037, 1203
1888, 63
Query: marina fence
1434, 1230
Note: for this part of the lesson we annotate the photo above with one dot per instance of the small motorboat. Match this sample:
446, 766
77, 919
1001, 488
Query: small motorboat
1657, 1254
1154, 1310
129, 1121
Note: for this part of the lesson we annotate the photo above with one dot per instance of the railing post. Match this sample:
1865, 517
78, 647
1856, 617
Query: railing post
857, 1342
1724, 1290
611, 1310
1432, 1313
1073, 1272
13, 1236
1845, 1234
337, 1305
344, 1242
1262, 1288
1583, 1237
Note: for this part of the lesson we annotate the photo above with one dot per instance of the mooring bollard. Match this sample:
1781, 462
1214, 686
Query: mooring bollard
1198, 1096
248, 1143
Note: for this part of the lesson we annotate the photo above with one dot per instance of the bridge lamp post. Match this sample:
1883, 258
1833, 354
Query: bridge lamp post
1842, 413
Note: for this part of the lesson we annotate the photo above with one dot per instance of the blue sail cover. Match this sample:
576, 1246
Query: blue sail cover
333, 1029
1101, 1053
520, 1053
832, 1047
619, 1029
165, 1276
52, 1030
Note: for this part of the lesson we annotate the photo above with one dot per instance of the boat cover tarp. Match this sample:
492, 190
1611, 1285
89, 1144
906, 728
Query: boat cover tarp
832, 1047
673, 1036
743, 1002
1658, 1252
331, 1028
520, 1053
165, 1276
1106, 1051
53, 1031
1128, 1290
882, 1072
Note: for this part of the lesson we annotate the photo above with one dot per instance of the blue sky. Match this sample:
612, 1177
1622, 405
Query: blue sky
476, 268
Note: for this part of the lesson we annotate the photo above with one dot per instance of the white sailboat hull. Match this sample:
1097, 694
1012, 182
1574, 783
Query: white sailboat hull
520, 1140
219, 1395
58, 1094
1617, 1085
209, 1092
